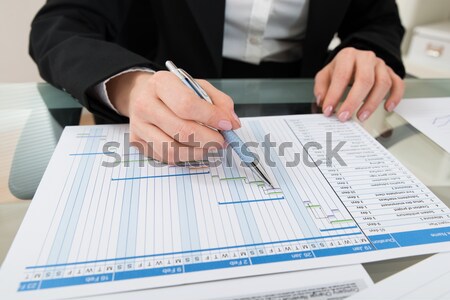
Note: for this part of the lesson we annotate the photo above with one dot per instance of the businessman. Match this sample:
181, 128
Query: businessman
108, 54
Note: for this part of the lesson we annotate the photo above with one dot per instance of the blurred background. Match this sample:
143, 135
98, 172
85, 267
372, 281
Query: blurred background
426, 48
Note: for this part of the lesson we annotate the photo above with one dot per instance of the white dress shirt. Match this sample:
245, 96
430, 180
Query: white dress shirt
264, 30
254, 31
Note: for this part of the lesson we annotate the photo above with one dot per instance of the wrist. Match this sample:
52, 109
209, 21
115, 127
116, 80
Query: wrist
120, 89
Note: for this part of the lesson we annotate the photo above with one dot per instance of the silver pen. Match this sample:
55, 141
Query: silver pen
229, 135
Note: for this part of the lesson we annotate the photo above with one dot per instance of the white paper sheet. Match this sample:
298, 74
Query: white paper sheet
93, 229
431, 116
427, 280
320, 284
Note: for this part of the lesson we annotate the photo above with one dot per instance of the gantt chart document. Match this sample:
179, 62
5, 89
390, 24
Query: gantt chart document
106, 219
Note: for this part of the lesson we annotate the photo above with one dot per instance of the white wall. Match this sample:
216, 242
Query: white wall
15, 19
16, 16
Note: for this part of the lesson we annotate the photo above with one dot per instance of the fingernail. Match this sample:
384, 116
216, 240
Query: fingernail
225, 125
235, 116
364, 116
343, 116
327, 112
318, 99
391, 107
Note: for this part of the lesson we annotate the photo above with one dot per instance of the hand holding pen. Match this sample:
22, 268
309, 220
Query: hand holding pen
235, 142
166, 113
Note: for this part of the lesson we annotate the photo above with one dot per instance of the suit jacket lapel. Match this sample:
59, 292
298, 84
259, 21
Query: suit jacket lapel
210, 18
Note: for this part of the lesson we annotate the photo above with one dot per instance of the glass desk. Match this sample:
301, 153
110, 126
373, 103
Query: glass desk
33, 115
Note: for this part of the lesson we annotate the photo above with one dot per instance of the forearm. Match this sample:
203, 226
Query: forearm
72, 46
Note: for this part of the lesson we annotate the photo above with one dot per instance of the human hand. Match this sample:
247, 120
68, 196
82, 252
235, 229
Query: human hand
371, 81
166, 117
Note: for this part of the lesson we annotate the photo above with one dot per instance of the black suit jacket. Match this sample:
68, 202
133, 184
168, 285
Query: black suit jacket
79, 43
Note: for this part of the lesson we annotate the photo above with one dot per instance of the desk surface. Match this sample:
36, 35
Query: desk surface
32, 117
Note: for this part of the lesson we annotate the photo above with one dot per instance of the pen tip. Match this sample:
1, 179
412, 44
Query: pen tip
262, 174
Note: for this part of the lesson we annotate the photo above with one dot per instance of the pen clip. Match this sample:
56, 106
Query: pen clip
188, 80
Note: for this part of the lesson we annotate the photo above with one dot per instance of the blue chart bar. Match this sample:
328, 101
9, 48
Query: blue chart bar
91, 153
340, 228
251, 201
160, 176
91, 136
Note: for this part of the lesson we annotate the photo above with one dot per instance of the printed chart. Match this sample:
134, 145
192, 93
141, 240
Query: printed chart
340, 198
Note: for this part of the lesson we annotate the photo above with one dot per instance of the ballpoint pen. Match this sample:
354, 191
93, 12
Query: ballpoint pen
229, 135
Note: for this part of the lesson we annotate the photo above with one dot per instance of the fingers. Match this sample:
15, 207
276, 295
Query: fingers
396, 93
187, 105
342, 75
383, 83
221, 100
372, 81
168, 118
321, 84
363, 83
185, 132
162, 147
